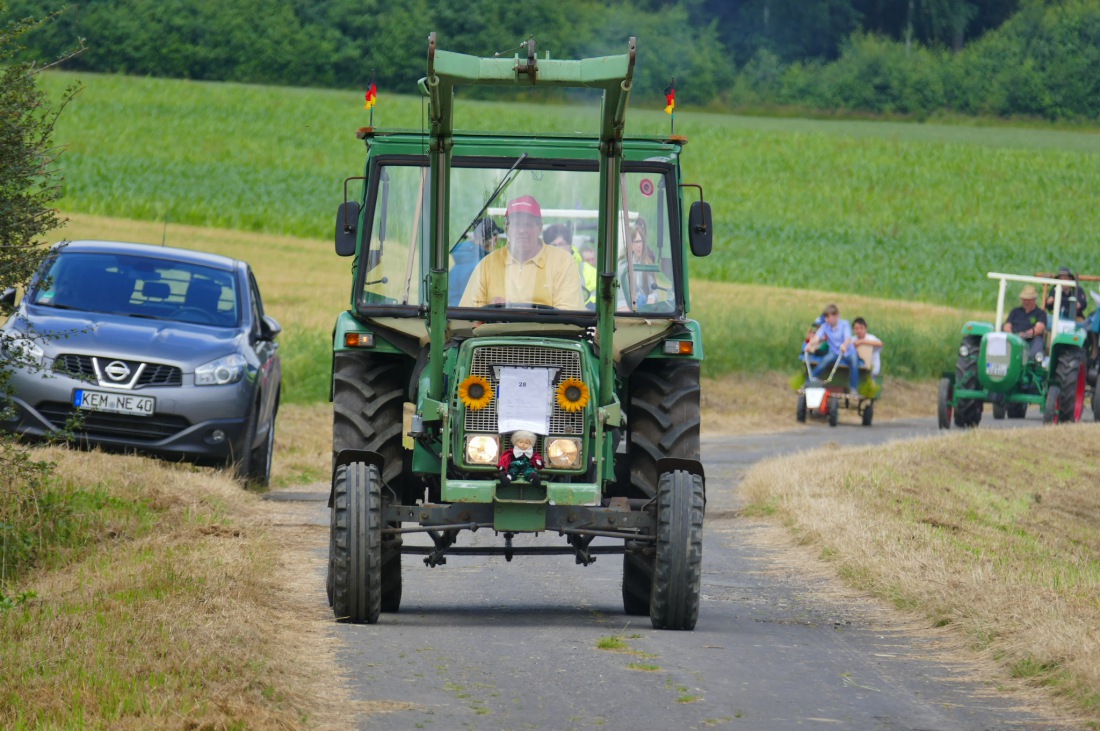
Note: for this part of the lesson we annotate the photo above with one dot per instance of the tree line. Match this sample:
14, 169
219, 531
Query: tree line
919, 57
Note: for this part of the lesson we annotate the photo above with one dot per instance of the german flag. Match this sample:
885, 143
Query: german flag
371, 96
670, 97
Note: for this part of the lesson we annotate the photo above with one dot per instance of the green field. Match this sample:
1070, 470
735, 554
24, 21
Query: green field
893, 210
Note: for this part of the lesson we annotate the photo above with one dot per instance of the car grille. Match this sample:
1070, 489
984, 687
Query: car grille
567, 361
136, 429
151, 374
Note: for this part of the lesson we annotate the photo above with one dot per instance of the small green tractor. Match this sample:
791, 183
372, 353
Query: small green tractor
994, 366
431, 380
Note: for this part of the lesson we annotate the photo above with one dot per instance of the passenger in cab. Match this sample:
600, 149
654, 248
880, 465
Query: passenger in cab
560, 235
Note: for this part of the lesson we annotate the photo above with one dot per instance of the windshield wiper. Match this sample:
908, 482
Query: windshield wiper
508, 176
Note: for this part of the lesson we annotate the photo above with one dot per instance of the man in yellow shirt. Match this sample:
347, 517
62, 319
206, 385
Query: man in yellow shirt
526, 271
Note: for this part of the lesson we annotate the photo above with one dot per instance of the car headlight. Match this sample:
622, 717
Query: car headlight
482, 449
220, 372
23, 351
564, 453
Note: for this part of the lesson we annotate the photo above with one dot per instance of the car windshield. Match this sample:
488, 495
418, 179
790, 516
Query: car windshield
136, 286
533, 247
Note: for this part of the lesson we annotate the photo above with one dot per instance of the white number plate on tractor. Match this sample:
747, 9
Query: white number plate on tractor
996, 369
115, 403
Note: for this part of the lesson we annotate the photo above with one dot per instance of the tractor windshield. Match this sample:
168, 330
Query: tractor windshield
532, 246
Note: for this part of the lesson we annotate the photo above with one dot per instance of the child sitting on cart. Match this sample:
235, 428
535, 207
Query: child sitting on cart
838, 334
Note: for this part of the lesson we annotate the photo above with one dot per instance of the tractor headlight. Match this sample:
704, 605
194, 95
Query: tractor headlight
964, 350
482, 449
564, 453
1038, 357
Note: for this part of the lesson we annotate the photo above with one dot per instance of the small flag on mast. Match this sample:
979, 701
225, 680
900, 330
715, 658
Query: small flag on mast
371, 96
670, 96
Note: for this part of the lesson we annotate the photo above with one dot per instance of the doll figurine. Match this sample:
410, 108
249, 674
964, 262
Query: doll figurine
521, 461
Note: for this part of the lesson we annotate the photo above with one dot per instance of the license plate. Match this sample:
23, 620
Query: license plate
996, 369
115, 403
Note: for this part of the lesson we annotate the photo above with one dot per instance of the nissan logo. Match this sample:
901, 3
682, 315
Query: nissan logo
116, 370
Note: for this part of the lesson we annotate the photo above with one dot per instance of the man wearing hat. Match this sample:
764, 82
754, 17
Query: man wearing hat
1028, 321
526, 271
1066, 275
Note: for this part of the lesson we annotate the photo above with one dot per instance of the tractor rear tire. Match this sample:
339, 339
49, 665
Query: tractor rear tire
662, 420
678, 564
834, 410
368, 398
943, 403
1050, 410
1017, 411
1096, 404
968, 412
800, 414
637, 583
357, 543
1070, 375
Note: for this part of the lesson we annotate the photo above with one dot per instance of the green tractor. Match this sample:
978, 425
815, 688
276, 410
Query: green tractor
996, 366
445, 379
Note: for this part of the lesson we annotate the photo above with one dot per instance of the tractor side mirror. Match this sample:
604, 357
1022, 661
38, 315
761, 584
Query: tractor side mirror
347, 221
700, 228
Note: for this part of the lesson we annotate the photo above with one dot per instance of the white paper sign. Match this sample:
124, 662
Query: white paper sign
996, 344
524, 400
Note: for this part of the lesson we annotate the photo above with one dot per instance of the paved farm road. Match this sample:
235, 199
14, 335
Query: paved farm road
485, 644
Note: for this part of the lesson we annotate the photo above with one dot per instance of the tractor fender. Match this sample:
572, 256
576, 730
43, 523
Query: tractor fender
347, 456
691, 466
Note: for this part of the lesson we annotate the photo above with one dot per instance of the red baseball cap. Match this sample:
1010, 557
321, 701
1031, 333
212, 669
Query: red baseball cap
524, 204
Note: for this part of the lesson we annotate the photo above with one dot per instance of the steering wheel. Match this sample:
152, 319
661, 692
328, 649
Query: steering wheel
203, 317
518, 306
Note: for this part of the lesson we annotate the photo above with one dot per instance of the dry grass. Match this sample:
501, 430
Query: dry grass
204, 619
303, 445
992, 533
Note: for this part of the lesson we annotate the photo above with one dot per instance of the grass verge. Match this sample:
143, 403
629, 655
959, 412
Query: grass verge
989, 532
168, 605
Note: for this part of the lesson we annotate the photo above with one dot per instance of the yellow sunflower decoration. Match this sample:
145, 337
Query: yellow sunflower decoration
572, 394
475, 392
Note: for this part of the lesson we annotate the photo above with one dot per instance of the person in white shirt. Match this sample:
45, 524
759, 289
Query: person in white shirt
860, 336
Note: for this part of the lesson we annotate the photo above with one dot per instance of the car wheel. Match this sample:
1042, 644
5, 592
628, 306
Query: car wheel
260, 468
240, 461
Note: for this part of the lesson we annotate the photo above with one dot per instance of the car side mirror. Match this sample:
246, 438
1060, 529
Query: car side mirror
347, 221
269, 328
700, 228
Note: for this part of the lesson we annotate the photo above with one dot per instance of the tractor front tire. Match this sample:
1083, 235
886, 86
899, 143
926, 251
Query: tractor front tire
678, 564
943, 403
663, 419
968, 412
357, 543
1000, 410
1017, 411
1050, 409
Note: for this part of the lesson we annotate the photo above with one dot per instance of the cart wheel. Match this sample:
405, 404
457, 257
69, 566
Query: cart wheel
868, 413
834, 409
801, 413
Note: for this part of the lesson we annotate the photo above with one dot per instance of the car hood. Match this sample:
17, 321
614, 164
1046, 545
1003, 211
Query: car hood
175, 343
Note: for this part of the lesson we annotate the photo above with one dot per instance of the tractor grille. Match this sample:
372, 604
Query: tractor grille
151, 374
118, 426
567, 362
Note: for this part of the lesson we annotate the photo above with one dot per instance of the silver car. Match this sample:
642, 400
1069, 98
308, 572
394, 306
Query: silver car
158, 350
